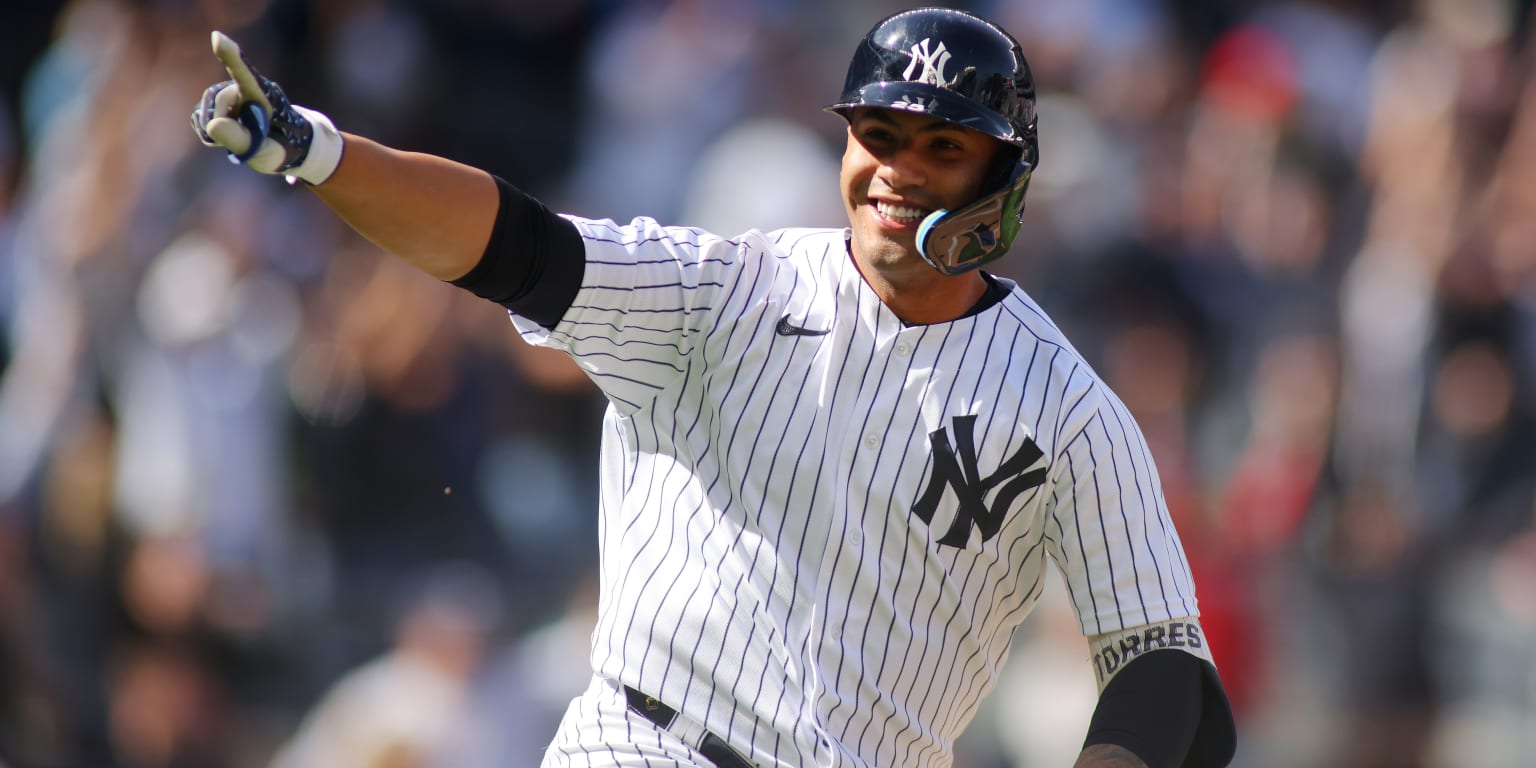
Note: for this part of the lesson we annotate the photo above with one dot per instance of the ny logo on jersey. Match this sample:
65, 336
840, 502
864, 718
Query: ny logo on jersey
932, 62
971, 489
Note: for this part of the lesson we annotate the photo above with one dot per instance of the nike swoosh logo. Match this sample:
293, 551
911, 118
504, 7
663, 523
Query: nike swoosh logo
785, 328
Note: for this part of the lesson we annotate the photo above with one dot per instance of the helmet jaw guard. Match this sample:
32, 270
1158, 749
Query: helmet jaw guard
965, 70
956, 242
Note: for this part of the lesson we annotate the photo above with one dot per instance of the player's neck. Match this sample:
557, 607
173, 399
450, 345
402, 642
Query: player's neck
922, 296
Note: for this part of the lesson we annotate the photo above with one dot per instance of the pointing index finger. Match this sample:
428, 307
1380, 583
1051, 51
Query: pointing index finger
228, 53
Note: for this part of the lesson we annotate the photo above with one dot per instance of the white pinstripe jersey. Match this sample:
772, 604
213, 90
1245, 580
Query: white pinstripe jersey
785, 555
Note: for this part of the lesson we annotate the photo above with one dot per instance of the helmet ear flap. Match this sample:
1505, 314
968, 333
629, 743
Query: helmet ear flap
1001, 169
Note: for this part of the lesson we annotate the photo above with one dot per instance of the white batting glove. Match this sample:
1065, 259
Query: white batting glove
251, 118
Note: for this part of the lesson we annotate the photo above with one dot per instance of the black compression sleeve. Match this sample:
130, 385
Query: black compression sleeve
1168, 707
533, 263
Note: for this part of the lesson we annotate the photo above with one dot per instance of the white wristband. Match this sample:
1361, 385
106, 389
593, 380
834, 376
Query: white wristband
324, 149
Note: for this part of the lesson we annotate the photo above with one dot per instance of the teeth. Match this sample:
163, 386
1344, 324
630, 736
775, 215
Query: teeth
900, 213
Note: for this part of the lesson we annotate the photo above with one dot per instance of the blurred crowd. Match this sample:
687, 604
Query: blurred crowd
268, 497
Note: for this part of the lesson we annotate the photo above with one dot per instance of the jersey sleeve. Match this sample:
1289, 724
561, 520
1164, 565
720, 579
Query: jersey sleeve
646, 294
1110, 531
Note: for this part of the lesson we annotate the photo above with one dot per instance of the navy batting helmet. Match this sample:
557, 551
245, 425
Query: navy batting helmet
966, 70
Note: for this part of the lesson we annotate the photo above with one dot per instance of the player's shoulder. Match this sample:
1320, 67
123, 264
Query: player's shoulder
790, 236
1035, 327
642, 230
791, 241
1081, 395
1018, 308
795, 250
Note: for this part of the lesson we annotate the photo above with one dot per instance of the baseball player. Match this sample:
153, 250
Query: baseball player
836, 462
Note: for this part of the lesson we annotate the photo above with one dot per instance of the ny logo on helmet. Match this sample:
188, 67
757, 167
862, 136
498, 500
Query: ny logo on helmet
932, 62
971, 489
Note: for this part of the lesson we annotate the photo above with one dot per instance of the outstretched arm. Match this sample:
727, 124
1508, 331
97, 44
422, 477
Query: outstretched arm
433, 212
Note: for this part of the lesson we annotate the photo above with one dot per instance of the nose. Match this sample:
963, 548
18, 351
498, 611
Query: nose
903, 168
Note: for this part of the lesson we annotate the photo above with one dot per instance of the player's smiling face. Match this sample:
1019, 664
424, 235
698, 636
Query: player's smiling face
898, 168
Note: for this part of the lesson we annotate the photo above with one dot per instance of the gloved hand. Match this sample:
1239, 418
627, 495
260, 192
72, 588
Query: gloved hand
250, 117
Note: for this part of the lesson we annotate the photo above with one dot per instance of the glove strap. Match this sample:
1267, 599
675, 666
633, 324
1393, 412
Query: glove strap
256, 122
324, 150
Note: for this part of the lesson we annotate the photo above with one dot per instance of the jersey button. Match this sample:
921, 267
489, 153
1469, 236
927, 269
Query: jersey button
903, 349
871, 440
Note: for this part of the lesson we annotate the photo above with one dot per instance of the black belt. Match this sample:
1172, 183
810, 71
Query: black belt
712, 747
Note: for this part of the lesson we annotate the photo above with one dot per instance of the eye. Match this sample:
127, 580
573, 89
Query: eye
876, 134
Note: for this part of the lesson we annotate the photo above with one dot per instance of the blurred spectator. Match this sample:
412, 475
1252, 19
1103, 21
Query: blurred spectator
664, 79
795, 173
525, 687
400, 709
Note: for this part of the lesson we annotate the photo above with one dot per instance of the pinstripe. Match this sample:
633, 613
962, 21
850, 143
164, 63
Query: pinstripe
848, 483
800, 461
933, 665
655, 286
801, 552
669, 311
635, 361
827, 435
735, 425
764, 569
1129, 527
713, 522
879, 575
1162, 521
1100, 510
630, 624
768, 480
984, 619
578, 340
702, 263
681, 564
1082, 550
913, 730
735, 606
885, 653
857, 396
1033, 546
